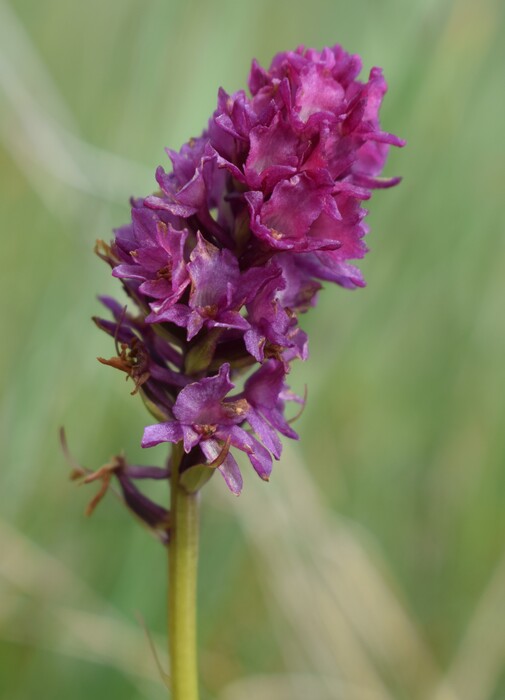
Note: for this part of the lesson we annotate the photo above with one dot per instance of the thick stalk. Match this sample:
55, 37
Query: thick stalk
183, 560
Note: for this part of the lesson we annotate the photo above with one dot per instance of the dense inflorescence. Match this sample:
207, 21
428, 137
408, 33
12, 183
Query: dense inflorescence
254, 215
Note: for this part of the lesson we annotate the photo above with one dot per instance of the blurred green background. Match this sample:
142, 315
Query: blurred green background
372, 567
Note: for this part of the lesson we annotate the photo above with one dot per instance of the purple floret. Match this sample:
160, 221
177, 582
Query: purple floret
204, 417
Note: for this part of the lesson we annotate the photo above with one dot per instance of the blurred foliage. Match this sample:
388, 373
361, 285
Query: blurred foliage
372, 566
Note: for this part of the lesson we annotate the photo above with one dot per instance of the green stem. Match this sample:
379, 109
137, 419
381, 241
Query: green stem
183, 559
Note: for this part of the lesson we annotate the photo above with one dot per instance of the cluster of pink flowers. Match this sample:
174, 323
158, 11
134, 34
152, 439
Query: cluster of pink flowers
220, 262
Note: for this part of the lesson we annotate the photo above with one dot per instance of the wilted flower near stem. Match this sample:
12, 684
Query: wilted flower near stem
220, 262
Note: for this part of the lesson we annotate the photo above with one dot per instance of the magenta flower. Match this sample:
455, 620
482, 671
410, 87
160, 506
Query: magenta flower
222, 260
153, 254
204, 417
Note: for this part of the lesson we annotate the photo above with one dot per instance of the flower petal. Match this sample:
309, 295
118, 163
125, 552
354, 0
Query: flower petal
200, 403
162, 432
229, 468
